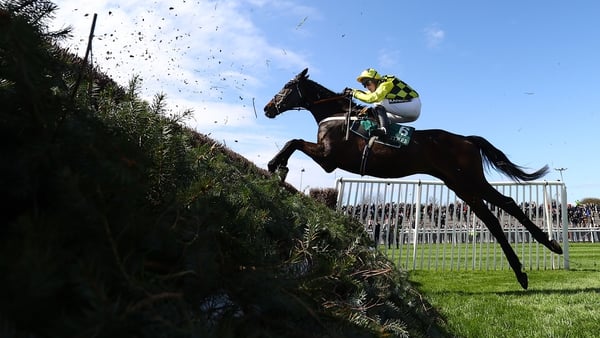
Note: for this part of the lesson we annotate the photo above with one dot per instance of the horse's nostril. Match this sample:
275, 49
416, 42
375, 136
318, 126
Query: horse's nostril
270, 110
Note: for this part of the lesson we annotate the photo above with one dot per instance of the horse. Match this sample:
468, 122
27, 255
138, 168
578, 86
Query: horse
455, 159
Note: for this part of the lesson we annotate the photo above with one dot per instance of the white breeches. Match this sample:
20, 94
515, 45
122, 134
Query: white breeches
402, 112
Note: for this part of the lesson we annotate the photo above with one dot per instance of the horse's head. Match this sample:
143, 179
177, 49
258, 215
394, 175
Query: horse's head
289, 97
302, 93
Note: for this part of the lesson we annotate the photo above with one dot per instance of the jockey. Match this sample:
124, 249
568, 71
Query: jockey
389, 95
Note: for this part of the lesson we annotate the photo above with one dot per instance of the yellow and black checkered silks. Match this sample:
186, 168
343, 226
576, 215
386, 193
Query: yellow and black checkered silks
400, 90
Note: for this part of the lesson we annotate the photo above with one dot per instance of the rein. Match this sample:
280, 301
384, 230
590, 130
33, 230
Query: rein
348, 116
348, 120
327, 99
333, 98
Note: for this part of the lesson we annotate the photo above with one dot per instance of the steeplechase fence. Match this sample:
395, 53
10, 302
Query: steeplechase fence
424, 225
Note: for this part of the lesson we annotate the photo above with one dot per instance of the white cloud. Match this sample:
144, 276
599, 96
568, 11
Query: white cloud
388, 58
434, 36
207, 56
195, 48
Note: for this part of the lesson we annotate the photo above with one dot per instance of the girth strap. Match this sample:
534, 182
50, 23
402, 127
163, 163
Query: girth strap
365, 155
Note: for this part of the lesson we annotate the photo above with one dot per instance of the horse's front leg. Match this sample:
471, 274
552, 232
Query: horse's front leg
281, 159
313, 150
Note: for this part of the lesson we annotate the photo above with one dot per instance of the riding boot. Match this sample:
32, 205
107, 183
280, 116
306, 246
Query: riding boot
383, 121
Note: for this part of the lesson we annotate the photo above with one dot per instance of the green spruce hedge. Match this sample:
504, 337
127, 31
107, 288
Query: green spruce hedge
118, 221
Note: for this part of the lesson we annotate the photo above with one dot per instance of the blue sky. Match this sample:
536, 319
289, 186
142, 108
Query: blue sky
523, 74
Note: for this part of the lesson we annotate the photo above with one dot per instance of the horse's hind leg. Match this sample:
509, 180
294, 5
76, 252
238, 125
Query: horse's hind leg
492, 223
508, 204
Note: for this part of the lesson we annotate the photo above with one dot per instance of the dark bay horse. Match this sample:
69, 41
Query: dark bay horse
456, 160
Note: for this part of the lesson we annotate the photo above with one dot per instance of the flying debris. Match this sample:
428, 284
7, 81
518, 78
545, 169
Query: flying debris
301, 22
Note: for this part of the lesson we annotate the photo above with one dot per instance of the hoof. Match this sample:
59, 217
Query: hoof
555, 247
282, 172
522, 278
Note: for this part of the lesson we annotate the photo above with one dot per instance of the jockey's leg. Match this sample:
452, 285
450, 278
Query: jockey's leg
383, 120
403, 112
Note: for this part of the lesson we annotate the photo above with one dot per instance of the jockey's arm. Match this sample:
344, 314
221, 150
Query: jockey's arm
377, 96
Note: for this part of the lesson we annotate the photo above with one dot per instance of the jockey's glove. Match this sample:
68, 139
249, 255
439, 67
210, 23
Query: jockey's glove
348, 92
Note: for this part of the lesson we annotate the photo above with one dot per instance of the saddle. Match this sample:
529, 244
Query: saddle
397, 135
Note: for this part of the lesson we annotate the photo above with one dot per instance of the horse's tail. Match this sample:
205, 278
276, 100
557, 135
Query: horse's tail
497, 159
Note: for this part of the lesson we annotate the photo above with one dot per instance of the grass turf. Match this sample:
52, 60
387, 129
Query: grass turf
558, 303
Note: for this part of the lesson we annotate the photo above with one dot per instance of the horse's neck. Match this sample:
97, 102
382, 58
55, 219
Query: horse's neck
327, 104
321, 92
328, 110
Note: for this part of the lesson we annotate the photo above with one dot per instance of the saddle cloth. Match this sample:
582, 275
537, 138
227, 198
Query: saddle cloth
397, 135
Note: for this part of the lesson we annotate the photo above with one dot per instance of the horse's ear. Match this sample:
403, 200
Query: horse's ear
302, 74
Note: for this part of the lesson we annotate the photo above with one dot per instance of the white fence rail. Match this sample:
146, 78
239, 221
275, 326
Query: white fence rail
424, 225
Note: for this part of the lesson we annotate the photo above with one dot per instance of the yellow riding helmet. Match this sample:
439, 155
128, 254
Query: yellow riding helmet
368, 73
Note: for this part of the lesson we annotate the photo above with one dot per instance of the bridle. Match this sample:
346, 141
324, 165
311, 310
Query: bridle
279, 97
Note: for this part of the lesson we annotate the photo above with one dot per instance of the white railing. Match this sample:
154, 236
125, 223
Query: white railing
445, 234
